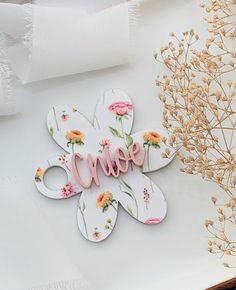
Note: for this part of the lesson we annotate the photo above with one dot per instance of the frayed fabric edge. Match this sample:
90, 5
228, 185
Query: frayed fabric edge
27, 38
133, 15
64, 285
8, 104
134, 11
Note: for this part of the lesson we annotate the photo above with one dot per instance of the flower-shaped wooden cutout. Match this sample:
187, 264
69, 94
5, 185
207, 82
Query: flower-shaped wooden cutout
106, 164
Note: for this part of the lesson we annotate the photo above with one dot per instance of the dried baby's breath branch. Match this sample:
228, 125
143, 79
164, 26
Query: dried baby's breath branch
199, 98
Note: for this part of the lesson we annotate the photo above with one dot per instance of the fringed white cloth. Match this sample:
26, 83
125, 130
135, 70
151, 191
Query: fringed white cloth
58, 38
7, 102
63, 285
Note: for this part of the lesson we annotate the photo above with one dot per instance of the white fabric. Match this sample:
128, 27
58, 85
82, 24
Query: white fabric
87, 5
8, 105
61, 38
12, 20
67, 40
7, 101
33, 258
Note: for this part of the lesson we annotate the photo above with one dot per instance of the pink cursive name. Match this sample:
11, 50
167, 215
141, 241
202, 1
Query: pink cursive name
122, 158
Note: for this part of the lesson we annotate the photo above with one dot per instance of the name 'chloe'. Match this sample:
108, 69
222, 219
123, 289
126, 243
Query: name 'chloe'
122, 159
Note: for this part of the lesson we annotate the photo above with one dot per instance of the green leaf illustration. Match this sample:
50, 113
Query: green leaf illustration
128, 193
37, 179
127, 185
79, 143
129, 140
119, 118
115, 132
105, 208
84, 206
51, 131
157, 146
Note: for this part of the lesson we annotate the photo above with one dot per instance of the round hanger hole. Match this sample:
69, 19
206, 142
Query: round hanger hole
55, 178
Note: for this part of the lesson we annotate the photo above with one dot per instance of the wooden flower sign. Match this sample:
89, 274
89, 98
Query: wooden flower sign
105, 163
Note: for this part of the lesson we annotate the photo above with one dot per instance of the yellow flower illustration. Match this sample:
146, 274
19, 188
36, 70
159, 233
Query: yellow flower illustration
152, 138
38, 175
75, 137
104, 200
74, 110
108, 225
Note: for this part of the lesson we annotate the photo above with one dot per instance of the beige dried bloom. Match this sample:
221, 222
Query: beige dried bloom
209, 223
226, 265
199, 98
213, 199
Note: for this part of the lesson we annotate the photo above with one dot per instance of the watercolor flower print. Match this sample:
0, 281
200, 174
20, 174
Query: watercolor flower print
97, 146
152, 139
121, 111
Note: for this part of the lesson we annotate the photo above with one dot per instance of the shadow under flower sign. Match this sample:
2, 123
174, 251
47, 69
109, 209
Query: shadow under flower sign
105, 163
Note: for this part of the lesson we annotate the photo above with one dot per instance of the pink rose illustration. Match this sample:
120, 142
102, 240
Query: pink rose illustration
65, 117
152, 221
120, 108
121, 111
97, 235
105, 142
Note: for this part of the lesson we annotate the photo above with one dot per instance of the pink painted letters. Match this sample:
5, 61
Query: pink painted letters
109, 166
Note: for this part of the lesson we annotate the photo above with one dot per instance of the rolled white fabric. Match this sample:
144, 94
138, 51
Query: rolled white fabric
13, 20
57, 40
66, 41
31, 258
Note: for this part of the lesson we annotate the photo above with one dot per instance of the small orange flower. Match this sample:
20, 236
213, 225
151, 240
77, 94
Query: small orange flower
104, 200
75, 137
39, 174
153, 138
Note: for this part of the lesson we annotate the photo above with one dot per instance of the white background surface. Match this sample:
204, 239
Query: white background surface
172, 255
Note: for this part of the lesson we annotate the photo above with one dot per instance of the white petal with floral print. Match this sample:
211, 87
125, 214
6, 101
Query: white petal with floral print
97, 212
155, 142
141, 198
70, 188
114, 117
71, 130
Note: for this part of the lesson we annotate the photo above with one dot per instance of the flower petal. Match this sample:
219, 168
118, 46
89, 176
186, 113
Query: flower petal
154, 140
71, 130
96, 222
141, 198
114, 116
70, 188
